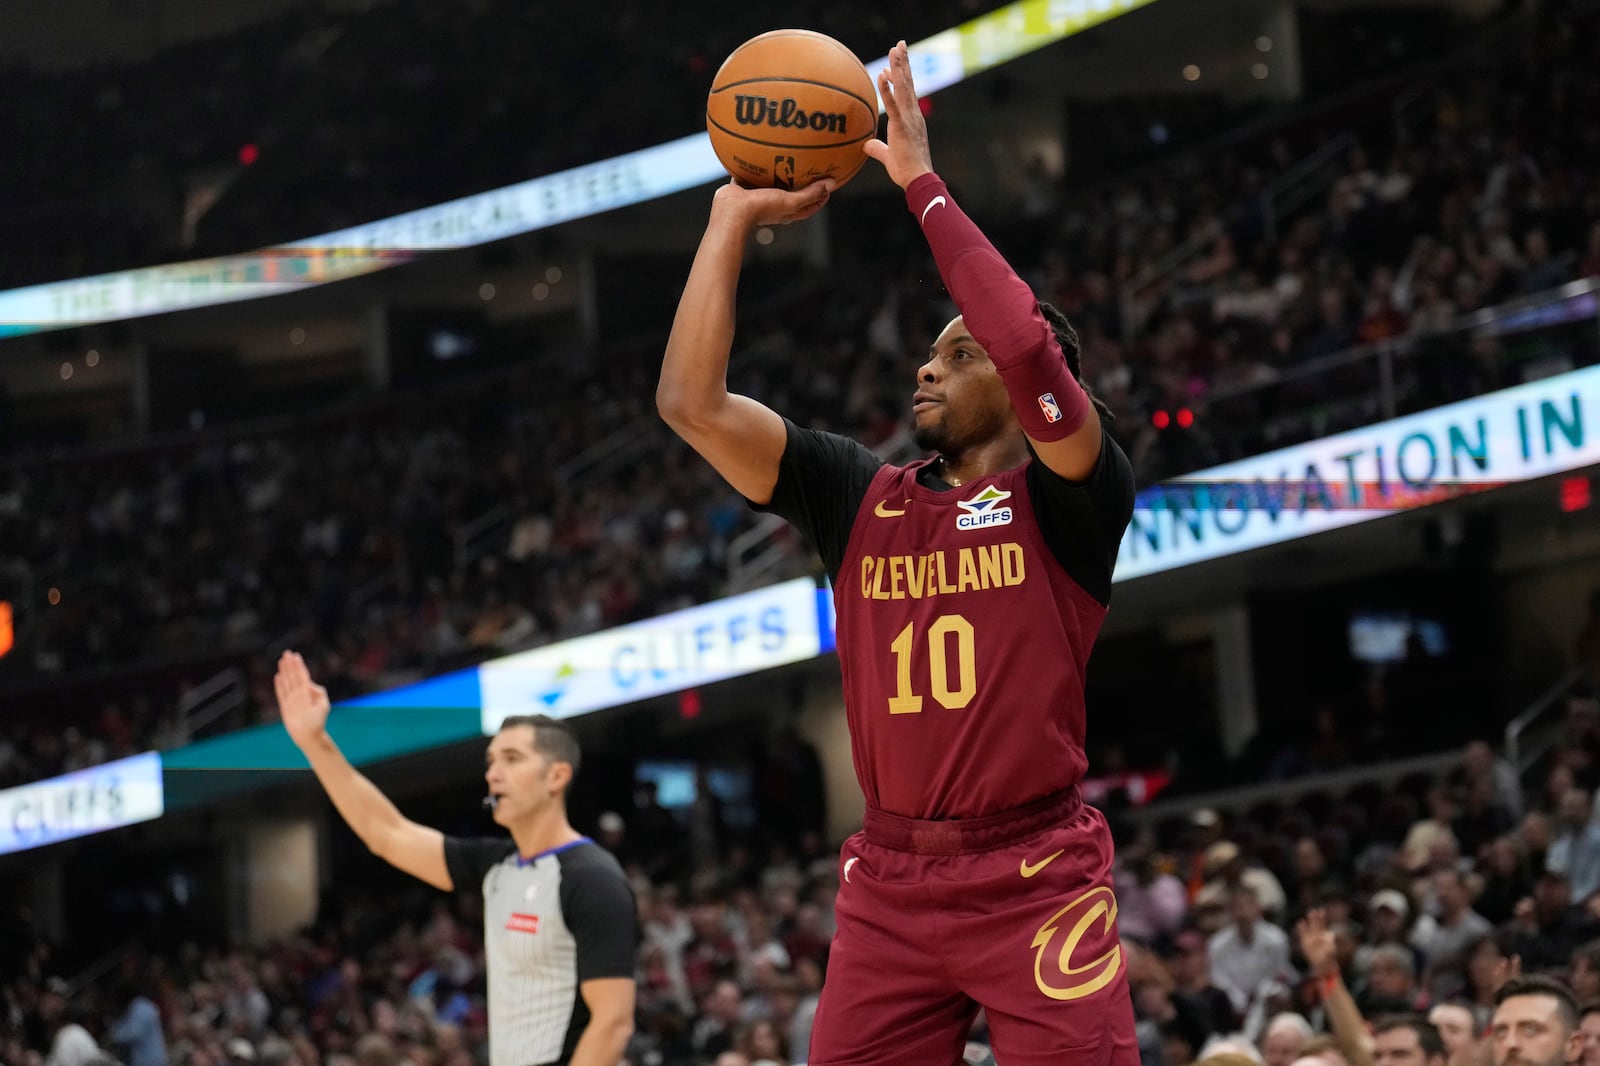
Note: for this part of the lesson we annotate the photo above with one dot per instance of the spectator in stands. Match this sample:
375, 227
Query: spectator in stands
1583, 974
1536, 1024
1505, 880
1204, 829
1535, 836
762, 1041
1548, 928
1418, 851
1312, 882
1249, 953
1195, 994
1575, 853
1227, 871
1458, 1029
1323, 1051
1391, 982
1284, 1037
1579, 750
720, 1016
1481, 818
1151, 903
1408, 1040
1478, 762
138, 1031
1489, 964
275, 1051
1229, 1050
1388, 912
1589, 1027
1444, 936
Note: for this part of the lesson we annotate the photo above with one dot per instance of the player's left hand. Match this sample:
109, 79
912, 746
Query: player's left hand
771, 207
905, 155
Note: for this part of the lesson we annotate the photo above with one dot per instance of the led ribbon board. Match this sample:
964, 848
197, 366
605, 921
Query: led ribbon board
938, 62
738, 635
92, 800
1529, 431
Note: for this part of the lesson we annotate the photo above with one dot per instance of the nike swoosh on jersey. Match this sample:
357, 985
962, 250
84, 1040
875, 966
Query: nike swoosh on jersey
883, 510
1029, 871
851, 861
933, 203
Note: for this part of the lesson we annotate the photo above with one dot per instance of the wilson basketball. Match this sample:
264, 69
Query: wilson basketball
791, 107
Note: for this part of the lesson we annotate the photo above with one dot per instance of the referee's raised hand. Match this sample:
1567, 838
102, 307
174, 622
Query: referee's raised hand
302, 703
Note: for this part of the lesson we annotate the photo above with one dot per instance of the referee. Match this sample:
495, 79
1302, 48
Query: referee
558, 916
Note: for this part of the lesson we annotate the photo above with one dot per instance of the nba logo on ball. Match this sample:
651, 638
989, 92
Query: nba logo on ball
783, 171
1047, 404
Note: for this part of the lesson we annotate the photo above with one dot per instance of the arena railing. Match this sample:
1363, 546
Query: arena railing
1533, 733
1290, 191
1337, 783
1377, 368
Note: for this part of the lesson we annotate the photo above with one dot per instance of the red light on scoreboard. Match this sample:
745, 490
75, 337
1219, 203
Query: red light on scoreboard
8, 633
1575, 494
689, 704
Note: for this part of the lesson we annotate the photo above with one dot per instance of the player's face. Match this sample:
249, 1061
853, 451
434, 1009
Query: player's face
960, 400
523, 780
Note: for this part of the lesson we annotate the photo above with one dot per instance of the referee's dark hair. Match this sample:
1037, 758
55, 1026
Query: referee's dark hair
551, 738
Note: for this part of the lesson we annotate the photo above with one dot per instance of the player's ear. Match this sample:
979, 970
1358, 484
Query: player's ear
559, 776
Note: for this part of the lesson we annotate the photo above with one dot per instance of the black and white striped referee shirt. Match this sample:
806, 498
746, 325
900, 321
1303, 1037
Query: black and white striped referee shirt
550, 922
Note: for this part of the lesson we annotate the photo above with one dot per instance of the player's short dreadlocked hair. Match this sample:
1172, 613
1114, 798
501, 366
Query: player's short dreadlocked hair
1067, 337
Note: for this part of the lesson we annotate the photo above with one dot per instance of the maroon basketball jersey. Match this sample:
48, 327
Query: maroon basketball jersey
962, 643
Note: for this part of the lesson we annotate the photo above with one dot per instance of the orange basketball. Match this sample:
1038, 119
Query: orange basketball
791, 107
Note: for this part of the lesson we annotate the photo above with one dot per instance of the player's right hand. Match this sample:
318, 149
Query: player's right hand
302, 703
905, 155
772, 207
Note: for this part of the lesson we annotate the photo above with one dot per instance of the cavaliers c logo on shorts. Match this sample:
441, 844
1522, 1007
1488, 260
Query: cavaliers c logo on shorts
1092, 917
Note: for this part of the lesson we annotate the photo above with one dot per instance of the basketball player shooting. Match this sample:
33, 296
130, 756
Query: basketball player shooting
970, 587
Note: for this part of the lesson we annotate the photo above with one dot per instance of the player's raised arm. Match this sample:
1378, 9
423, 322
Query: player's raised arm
390, 835
742, 439
999, 309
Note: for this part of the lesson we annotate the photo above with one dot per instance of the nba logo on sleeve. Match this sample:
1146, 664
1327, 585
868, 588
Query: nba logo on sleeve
1047, 404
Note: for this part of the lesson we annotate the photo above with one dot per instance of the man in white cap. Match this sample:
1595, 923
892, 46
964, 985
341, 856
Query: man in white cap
1388, 915
1227, 870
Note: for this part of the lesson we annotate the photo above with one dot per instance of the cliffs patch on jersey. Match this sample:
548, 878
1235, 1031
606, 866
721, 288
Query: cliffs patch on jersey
984, 510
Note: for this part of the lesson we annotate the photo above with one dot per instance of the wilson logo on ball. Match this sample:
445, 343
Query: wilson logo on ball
785, 114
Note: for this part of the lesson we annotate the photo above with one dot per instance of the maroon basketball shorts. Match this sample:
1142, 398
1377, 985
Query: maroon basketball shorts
1012, 913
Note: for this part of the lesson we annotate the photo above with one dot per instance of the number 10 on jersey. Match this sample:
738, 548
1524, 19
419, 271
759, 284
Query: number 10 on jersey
947, 628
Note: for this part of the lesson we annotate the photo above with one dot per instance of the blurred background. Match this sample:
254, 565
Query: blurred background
1340, 260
